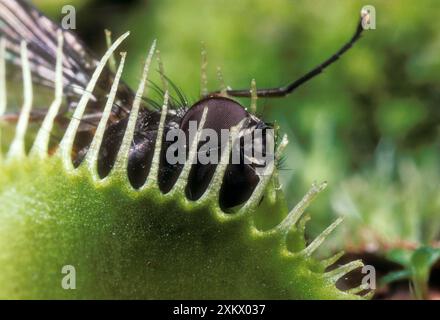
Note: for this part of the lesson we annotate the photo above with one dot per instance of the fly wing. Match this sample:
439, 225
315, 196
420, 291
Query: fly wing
21, 21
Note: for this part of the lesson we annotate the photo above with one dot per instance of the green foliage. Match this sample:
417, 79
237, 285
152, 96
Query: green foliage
417, 267
395, 200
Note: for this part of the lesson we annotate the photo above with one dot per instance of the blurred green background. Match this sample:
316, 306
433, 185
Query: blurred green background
369, 125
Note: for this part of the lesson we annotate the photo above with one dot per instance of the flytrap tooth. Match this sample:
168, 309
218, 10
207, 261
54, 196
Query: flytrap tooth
281, 147
41, 143
221, 80
259, 190
296, 213
358, 289
3, 97
153, 175
303, 222
272, 195
17, 148
341, 271
369, 295
66, 143
184, 174
254, 97
320, 239
93, 152
121, 163
332, 260
203, 74
161, 71
2, 76
213, 190
112, 60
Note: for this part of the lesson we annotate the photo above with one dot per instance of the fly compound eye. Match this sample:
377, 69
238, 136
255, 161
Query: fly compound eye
240, 179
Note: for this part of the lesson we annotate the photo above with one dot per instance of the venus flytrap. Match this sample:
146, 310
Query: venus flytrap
143, 243
417, 265
128, 243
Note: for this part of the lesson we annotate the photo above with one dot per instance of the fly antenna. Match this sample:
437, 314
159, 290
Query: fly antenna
289, 88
